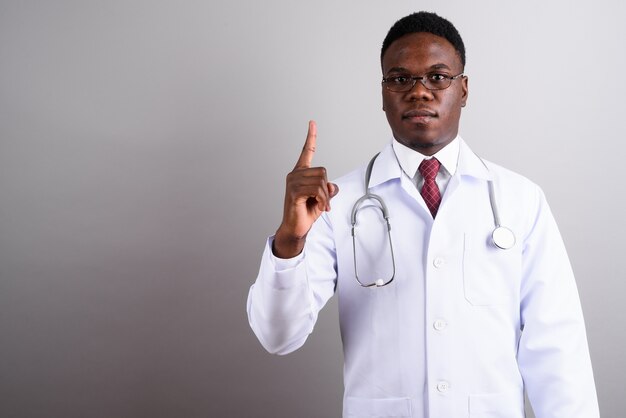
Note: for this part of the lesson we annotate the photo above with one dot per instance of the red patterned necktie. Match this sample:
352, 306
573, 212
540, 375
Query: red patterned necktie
430, 192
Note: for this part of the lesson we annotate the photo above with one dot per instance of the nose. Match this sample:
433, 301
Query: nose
419, 92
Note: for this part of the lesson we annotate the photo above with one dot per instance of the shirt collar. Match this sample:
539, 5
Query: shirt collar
410, 159
388, 166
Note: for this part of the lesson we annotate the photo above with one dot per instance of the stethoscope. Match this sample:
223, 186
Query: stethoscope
502, 237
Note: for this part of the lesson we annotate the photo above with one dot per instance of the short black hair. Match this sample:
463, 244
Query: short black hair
425, 22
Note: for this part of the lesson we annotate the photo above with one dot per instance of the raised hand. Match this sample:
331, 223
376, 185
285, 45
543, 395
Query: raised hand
307, 195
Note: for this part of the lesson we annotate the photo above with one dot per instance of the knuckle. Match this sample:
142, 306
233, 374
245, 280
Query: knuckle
319, 172
294, 174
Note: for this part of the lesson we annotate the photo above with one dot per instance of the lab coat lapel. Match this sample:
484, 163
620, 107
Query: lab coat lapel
469, 165
386, 168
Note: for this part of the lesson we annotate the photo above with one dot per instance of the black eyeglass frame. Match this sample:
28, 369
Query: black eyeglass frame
422, 80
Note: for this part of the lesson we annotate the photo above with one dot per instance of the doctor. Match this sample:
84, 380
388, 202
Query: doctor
441, 323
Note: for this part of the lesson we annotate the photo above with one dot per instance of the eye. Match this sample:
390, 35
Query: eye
437, 78
400, 80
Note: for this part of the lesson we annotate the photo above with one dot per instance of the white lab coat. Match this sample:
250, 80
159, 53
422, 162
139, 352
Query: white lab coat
464, 327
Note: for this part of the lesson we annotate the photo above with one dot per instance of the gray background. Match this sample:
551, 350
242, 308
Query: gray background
142, 159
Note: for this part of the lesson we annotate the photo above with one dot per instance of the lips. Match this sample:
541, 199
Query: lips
419, 114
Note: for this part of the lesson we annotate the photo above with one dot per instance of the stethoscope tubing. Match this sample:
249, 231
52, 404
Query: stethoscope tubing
502, 237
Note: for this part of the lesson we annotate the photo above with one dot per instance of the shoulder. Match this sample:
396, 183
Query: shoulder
520, 200
353, 177
351, 186
510, 177
516, 187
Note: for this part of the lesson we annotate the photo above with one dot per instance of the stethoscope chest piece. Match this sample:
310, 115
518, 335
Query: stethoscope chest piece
503, 237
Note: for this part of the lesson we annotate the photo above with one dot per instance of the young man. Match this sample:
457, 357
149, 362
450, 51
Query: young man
444, 315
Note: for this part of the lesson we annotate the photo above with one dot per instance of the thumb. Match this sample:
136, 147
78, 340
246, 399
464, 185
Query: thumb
333, 189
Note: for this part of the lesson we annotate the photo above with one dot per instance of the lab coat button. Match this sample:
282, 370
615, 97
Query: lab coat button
438, 262
440, 324
443, 386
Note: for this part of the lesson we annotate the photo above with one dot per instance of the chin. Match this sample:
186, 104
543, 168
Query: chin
421, 142
427, 145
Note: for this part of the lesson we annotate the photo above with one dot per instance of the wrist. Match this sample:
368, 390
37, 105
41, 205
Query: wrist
287, 245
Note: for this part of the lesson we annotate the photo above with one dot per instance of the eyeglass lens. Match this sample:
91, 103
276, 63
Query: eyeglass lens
404, 83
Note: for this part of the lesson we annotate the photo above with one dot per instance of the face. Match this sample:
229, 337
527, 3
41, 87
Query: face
424, 120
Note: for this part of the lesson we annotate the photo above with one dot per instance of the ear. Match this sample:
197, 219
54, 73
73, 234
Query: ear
464, 90
382, 94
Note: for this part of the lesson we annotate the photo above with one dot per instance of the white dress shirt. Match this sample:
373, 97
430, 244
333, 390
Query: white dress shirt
410, 161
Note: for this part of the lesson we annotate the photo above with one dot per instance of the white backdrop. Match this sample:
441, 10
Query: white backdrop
143, 149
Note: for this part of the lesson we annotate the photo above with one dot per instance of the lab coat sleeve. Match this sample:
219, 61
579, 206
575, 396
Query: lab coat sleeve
553, 354
284, 302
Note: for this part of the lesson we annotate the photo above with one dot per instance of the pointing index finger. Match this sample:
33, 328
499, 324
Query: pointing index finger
306, 156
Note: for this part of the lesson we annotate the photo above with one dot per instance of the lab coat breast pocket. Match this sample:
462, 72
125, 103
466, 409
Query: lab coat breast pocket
379, 408
491, 276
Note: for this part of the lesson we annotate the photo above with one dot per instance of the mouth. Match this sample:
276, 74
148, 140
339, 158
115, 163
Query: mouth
419, 115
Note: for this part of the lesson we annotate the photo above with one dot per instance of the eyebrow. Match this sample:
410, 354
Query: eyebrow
440, 66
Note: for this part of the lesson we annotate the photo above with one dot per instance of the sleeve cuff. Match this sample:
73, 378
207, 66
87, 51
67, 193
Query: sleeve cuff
283, 264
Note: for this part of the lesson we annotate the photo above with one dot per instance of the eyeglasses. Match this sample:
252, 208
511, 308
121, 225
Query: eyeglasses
405, 82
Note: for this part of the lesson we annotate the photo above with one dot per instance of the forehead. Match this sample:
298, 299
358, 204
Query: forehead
420, 51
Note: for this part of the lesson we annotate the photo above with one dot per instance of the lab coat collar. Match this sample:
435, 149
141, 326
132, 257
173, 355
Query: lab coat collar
410, 160
470, 164
386, 166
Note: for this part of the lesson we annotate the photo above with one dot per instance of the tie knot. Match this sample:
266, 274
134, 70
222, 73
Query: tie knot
429, 168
